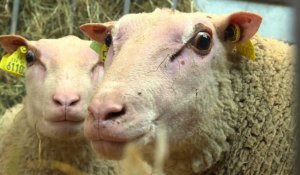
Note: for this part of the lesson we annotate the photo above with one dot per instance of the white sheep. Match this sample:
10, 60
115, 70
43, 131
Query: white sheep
46, 134
224, 113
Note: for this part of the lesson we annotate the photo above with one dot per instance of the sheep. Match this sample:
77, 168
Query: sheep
225, 112
44, 134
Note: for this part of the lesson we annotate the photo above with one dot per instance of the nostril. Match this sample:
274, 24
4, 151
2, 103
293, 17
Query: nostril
115, 114
57, 102
105, 110
74, 101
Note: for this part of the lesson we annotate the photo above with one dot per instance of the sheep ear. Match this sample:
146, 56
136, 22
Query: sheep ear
246, 22
97, 31
11, 43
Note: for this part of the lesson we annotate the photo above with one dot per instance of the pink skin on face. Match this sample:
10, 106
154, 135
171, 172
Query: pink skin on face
59, 82
155, 73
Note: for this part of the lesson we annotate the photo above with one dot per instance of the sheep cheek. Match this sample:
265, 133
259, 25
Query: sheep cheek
35, 73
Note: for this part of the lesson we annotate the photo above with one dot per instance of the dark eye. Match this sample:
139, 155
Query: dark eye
108, 40
232, 33
202, 43
30, 57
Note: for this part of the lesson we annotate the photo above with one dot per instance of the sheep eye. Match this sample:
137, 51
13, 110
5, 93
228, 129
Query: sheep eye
108, 40
30, 57
202, 43
232, 33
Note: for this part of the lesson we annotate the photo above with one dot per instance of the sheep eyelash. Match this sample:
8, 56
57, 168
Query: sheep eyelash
114, 49
185, 45
176, 54
114, 39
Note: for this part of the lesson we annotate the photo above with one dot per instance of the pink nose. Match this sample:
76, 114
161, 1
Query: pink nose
66, 100
106, 110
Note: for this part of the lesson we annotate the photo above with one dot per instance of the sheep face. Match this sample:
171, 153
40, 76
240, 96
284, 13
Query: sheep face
60, 76
161, 68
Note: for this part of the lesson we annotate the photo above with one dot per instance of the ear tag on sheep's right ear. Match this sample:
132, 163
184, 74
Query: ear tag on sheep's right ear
15, 63
101, 49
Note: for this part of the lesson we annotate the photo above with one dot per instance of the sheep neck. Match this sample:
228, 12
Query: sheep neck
42, 155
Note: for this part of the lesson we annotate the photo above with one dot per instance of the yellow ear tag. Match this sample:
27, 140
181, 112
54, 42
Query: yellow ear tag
246, 49
15, 63
101, 49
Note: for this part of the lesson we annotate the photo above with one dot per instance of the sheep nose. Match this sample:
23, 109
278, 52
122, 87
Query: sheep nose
107, 109
66, 100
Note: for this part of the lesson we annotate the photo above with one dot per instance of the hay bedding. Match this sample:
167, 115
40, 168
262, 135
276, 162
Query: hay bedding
55, 18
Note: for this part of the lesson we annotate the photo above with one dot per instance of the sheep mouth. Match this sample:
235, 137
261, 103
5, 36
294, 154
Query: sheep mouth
65, 126
65, 118
109, 149
112, 147
66, 122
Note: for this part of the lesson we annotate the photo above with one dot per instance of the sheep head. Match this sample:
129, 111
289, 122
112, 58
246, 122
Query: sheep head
162, 67
60, 77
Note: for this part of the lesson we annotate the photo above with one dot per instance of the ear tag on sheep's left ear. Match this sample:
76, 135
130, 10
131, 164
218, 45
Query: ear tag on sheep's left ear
15, 63
246, 48
101, 49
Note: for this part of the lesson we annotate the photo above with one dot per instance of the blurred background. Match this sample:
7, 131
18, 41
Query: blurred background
36, 19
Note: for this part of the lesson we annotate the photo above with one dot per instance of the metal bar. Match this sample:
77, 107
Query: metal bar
14, 18
72, 15
192, 6
174, 5
126, 7
74, 5
297, 89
